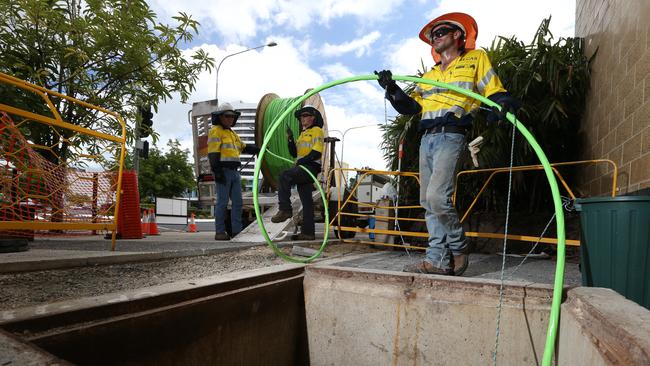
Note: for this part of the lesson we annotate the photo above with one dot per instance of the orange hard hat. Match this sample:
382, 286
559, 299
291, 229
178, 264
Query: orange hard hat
461, 20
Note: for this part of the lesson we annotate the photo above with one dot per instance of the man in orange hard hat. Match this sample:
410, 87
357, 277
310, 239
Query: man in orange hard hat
446, 116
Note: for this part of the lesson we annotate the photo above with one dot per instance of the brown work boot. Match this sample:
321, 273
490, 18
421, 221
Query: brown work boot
428, 268
302, 236
221, 236
461, 261
281, 216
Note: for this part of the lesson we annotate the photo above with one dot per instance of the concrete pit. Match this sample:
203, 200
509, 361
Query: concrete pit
327, 314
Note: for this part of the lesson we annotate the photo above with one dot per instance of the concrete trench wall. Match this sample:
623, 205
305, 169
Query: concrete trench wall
600, 327
248, 318
328, 315
360, 317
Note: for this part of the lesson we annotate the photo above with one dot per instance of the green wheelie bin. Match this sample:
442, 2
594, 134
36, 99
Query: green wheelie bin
615, 245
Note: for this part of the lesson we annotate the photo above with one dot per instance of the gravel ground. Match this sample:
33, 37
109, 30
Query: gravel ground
34, 288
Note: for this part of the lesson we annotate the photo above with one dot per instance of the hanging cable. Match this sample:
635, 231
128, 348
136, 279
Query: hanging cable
505, 242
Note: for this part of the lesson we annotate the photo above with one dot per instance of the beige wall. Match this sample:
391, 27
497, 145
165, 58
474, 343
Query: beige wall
617, 121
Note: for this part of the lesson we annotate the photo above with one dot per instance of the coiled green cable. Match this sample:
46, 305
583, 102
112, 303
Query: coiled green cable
278, 142
551, 334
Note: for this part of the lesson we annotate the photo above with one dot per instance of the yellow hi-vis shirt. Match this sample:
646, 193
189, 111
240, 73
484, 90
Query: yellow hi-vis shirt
472, 71
310, 139
225, 142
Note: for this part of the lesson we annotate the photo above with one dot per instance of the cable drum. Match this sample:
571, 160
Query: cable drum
268, 110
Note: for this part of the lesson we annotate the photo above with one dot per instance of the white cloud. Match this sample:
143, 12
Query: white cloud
360, 148
407, 57
355, 107
496, 18
512, 17
359, 46
245, 77
355, 95
243, 19
291, 68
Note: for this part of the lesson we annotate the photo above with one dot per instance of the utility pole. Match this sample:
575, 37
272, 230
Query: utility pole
137, 146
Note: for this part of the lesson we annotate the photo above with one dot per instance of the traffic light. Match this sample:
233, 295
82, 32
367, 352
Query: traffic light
145, 121
144, 152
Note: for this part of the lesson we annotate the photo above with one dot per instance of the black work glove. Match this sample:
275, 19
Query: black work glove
219, 177
289, 133
508, 105
385, 80
500, 115
251, 149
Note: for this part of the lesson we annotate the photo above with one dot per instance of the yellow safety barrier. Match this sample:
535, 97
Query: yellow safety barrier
494, 171
362, 174
344, 200
67, 183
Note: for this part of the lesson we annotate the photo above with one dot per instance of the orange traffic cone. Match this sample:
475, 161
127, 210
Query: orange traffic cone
145, 222
153, 227
191, 227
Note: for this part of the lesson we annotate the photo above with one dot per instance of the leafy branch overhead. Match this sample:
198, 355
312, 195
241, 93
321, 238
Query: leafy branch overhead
114, 54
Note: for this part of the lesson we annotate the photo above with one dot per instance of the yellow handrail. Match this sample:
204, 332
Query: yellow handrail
364, 173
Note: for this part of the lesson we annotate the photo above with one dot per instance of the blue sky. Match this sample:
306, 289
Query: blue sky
322, 41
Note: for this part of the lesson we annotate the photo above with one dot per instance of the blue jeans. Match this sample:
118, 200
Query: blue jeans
230, 189
439, 154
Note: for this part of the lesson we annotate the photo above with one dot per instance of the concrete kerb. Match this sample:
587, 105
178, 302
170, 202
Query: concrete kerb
48, 259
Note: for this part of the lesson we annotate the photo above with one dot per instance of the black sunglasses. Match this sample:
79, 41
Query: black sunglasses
441, 32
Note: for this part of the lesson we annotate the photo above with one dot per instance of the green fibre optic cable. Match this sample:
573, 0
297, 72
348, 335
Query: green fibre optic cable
551, 334
278, 143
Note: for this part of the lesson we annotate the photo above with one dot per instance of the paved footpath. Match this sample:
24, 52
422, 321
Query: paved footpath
55, 253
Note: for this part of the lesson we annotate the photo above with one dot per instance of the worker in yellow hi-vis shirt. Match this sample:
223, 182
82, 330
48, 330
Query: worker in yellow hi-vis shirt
308, 149
446, 116
224, 148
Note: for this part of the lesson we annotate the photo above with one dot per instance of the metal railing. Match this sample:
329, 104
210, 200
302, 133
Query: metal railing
344, 200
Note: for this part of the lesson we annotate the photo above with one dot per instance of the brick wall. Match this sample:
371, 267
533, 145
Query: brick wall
616, 124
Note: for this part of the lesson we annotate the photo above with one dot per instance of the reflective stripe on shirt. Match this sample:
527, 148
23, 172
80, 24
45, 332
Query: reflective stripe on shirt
310, 139
225, 142
471, 71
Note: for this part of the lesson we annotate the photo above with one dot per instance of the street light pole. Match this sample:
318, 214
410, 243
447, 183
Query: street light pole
345, 132
343, 146
216, 89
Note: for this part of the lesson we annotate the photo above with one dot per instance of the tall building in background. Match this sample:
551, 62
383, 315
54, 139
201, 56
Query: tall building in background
245, 128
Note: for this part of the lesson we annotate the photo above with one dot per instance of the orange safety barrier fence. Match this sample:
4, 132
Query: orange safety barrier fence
57, 178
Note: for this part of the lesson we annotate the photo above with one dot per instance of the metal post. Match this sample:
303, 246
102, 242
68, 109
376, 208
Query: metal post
137, 145
216, 87
400, 155
94, 204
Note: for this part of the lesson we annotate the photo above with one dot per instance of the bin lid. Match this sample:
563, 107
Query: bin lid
609, 199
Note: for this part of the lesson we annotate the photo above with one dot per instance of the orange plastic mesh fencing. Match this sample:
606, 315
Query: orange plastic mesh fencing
57, 178
34, 189
128, 224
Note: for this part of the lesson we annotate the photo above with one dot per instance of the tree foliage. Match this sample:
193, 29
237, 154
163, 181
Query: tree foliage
551, 79
110, 53
166, 174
